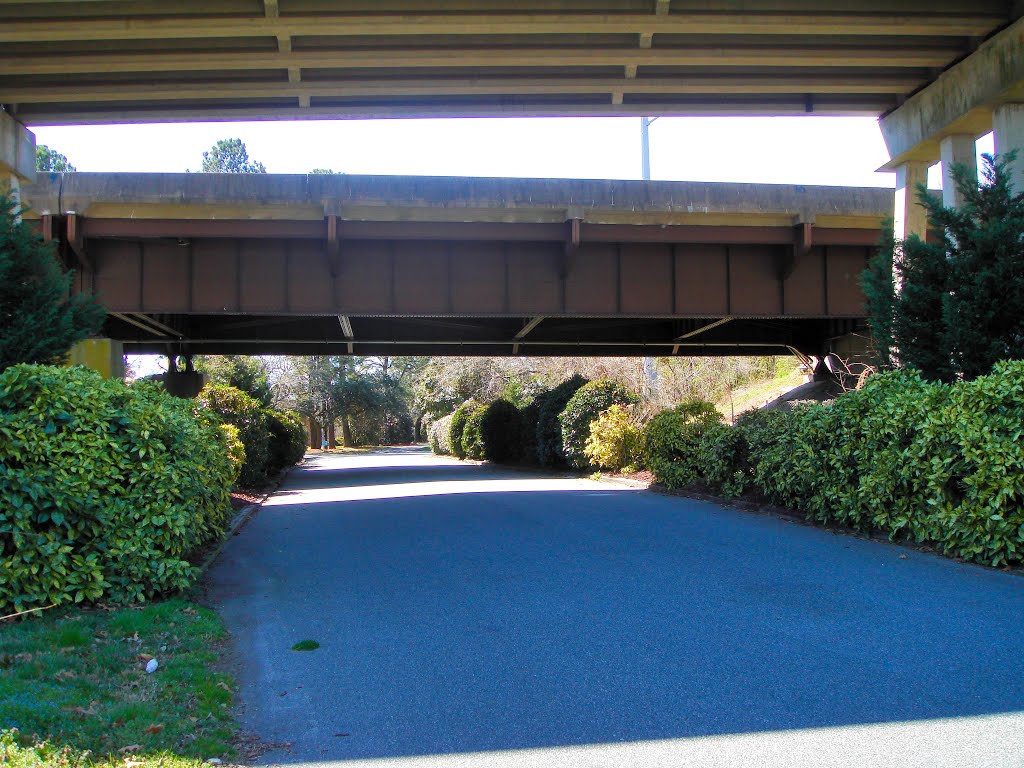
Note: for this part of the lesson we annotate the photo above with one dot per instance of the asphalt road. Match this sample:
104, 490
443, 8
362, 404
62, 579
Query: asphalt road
474, 616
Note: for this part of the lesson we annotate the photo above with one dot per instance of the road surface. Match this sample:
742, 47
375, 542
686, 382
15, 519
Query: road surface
476, 616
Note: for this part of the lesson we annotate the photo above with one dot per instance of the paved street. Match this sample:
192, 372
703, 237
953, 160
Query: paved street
469, 615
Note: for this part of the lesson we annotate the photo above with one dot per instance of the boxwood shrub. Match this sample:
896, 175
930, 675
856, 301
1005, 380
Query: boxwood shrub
501, 429
529, 417
549, 428
472, 434
457, 426
288, 439
582, 409
105, 489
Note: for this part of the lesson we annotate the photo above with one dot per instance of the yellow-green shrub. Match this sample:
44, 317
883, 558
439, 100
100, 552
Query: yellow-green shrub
616, 439
105, 489
583, 408
235, 450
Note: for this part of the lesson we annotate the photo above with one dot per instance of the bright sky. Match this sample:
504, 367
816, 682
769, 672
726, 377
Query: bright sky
786, 150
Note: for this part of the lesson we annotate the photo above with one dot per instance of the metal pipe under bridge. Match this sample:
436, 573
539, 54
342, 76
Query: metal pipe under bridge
373, 265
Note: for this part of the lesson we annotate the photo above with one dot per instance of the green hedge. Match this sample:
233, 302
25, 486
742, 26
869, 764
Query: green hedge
105, 489
529, 417
581, 410
549, 428
472, 435
457, 426
233, 406
288, 439
671, 442
501, 429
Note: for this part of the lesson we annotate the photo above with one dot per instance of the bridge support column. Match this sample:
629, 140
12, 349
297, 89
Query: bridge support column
958, 149
187, 383
1008, 127
105, 356
17, 155
910, 216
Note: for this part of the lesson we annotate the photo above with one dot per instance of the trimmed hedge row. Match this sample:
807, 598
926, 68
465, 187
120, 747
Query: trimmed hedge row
105, 489
552, 430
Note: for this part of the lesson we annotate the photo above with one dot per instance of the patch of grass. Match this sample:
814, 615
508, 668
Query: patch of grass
306, 645
73, 684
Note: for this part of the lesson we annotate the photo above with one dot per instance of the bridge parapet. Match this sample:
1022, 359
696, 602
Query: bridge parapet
370, 265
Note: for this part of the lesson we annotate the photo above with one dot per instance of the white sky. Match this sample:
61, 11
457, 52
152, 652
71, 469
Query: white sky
786, 150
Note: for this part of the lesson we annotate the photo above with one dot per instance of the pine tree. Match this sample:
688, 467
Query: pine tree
230, 156
959, 306
40, 320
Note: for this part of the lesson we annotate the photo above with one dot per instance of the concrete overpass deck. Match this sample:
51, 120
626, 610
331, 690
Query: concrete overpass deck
75, 61
192, 263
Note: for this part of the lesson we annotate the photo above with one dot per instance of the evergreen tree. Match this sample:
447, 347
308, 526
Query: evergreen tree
230, 156
243, 372
40, 320
954, 308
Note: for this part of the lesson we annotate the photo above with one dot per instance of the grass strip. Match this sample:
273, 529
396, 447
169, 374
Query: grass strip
74, 691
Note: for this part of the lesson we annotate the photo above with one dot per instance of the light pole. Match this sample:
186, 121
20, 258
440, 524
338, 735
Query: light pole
645, 147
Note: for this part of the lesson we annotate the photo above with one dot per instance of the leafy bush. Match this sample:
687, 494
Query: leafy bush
105, 489
288, 439
233, 406
500, 429
439, 436
616, 439
671, 442
939, 463
472, 435
549, 428
720, 459
457, 426
582, 409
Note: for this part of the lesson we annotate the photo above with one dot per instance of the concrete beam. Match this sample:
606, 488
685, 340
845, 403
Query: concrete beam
1008, 126
17, 154
958, 149
960, 101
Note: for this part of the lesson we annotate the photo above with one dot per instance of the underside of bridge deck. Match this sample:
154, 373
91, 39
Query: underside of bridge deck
537, 336
113, 61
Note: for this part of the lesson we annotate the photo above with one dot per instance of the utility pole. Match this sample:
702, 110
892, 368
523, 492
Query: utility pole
645, 147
